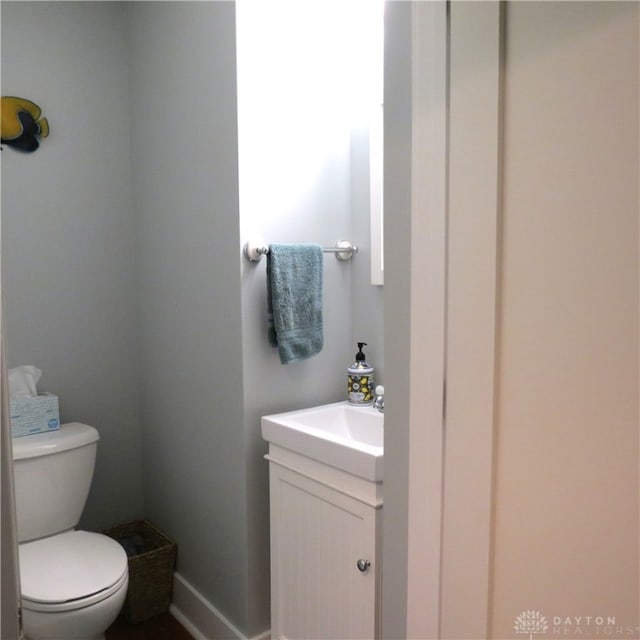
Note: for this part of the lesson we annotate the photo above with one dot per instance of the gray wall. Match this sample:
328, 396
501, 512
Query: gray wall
303, 178
184, 150
124, 281
67, 232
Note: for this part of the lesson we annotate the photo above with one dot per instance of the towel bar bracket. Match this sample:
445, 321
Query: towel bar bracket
343, 249
253, 251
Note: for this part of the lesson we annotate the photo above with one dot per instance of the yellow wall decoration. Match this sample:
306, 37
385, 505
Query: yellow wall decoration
21, 124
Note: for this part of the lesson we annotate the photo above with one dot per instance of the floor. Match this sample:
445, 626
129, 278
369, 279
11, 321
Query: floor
162, 627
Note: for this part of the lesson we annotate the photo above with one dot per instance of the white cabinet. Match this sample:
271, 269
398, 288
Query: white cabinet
325, 550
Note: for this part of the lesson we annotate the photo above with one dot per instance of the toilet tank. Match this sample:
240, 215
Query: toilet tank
52, 476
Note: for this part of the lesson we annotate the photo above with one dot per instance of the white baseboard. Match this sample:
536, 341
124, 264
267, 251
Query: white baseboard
200, 618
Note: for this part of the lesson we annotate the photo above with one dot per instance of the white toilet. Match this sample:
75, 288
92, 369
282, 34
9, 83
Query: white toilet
73, 582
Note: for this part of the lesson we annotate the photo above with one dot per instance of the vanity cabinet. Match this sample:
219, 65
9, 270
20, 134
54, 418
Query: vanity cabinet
325, 550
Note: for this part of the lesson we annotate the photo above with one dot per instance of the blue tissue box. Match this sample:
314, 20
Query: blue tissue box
34, 415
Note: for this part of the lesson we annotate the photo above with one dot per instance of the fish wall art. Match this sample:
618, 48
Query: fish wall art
22, 124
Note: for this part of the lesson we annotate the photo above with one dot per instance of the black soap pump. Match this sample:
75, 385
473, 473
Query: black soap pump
360, 379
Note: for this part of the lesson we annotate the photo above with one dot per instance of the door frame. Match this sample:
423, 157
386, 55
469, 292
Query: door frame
474, 211
415, 193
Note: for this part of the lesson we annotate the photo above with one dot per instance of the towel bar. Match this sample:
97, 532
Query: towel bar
344, 250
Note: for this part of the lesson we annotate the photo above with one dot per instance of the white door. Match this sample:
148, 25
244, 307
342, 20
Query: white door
541, 502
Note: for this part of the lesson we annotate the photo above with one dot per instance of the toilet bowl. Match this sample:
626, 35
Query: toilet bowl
73, 585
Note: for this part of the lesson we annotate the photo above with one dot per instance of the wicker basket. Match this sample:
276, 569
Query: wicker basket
152, 557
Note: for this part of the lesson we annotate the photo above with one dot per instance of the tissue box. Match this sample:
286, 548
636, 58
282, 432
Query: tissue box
34, 415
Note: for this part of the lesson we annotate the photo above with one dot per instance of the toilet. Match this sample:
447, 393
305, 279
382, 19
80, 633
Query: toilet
73, 583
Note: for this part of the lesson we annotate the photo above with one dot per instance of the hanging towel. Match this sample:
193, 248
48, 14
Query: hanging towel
294, 291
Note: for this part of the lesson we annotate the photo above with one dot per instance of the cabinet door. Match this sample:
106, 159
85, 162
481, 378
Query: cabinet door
318, 535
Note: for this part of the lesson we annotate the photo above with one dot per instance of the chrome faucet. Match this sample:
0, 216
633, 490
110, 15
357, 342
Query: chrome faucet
378, 402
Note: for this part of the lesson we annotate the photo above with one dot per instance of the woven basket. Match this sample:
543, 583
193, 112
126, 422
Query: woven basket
152, 557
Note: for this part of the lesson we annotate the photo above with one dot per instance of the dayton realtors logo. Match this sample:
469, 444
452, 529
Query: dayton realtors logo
533, 623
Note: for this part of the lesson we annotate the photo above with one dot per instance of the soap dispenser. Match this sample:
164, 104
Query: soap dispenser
360, 379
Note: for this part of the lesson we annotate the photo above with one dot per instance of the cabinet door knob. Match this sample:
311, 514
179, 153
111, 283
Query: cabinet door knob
363, 565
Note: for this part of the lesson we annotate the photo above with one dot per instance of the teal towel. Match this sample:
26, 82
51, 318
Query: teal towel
294, 291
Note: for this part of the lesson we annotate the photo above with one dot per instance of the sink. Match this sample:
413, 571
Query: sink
345, 436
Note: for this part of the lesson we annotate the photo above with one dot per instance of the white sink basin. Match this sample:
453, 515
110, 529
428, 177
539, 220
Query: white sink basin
348, 437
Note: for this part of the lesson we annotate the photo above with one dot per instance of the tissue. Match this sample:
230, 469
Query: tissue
23, 381
31, 411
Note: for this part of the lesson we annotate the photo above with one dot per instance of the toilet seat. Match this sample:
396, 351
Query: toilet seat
71, 570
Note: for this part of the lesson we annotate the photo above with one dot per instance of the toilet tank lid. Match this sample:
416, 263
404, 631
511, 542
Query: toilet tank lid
70, 436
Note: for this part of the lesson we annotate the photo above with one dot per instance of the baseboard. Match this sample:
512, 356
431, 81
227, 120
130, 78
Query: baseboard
200, 618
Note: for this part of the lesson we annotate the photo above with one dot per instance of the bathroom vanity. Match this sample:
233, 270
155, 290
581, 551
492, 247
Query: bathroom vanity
325, 522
